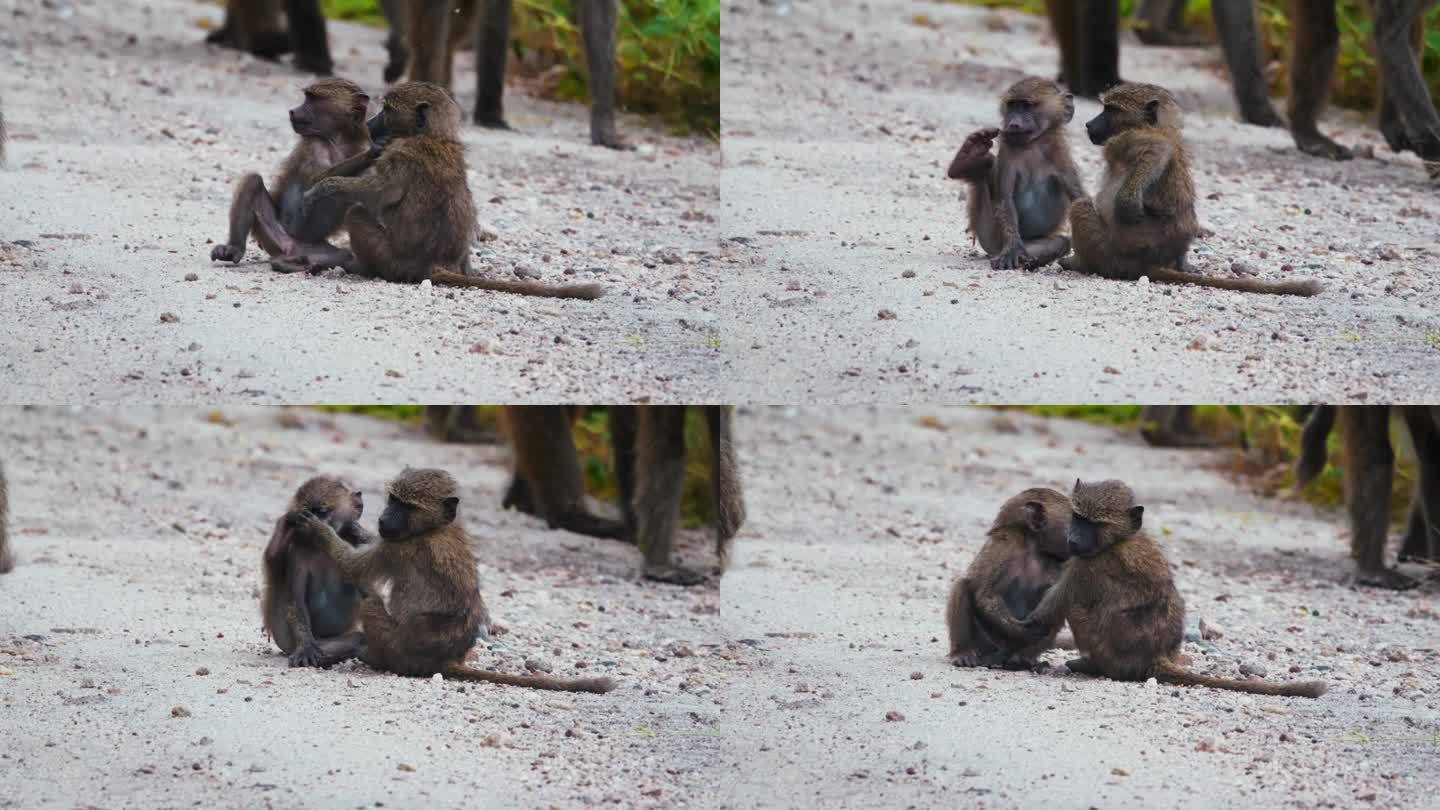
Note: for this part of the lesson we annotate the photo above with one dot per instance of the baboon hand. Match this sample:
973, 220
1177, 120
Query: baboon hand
227, 253
308, 655
1012, 257
303, 519
1034, 631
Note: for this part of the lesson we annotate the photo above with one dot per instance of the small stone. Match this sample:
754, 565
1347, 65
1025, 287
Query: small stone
202, 671
1253, 669
1119, 772
538, 665
425, 286
192, 276
886, 315
179, 711
437, 678
1150, 683
1210, 632
893, 716
1207, 744
908, 274
405, 767
915, 676
169, 317
1243, 269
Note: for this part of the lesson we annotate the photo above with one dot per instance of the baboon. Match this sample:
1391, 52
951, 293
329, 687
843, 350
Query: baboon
1120, 599
305, 603
396, 51
1020, 560
1018, 198
1087, 32
253, 26
1142, 220
423, 606
434, 29
462, 424
1369, 469
1169, 426
1162, 23
649, 450
334, 142
418, 188
7, 557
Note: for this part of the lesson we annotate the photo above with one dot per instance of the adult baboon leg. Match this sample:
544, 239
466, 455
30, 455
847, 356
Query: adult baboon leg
308, 38
1369, 467
492, 51
597, 30
429, 30
623, 429
462, 23
1240, 41
1398, 27
660, 467
1169, 426
397, 54
1422, 536
1095, 53
1314, 47
1162, 22
724, 480
545, 457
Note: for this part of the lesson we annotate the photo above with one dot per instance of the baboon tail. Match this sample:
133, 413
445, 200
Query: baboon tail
1312, 444
588, 292
725, 474
1170, 673
1304, 287
460, 672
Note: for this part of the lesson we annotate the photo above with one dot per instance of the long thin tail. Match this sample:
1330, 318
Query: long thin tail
1169, 276
460, 672
588, 292
1313, 457
1167, 672
725, 470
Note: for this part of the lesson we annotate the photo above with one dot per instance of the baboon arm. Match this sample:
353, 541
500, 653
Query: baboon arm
353, 165
997, 615
278, 548
299, 611
1070, 182
368, 191
1149, 159
1005, 207
1053, 605
357, 566
357, 535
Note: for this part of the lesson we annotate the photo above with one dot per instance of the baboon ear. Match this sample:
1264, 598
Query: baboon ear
450, 506
1152, 111
1136, 515
1034, 516
1067, 102
362, 106
422, 110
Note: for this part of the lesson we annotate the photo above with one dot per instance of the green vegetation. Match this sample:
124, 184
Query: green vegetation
668, 53
1356, 73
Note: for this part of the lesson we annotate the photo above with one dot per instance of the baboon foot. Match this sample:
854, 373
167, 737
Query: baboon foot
1390, 579
309, 655
1262, 114
292, 264
1010, 258
592, 526
227, 253
492, 121
674, 575
610, 139
310, 63
974, 160
1081, 665
1020, 663
1313, 143
965, 659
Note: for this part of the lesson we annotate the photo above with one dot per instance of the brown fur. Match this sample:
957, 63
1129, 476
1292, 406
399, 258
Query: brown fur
302, 585
547, 480
423, 607
1169, 426
1143, 220
1118, 595
1018, 198
334, 141
1020, 560
254, 26
7, 557
419, 188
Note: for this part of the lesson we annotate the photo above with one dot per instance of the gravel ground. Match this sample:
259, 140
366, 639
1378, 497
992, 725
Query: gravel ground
127, 136
838, 122
861, 517
136, 599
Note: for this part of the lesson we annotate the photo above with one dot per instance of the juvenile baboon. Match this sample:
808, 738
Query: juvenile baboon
253, 26
435, 28
305, 602
1020, 560
1169, 426
423, 606
1142, 220
1369, 462
1120, 599
547, 481
7, 557
1018, 199
334, 142
412, 217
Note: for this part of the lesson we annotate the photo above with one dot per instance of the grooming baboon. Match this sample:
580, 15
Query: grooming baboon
649, 449
1087, 32
423, 606
1018, 199
434, 29
1020, 560
7, 557
1369, 462
1142, 220
305, 602
1169, 426
1120, 599
334, 142
412, 218
253, 26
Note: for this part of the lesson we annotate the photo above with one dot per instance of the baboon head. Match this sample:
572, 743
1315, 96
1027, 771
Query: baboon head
1134, 106
1043, 514
1102, 515
331, 107
418, 501
329, 499
412, 108
1033, 107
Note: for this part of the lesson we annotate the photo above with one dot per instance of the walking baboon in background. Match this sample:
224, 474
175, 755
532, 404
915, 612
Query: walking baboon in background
334, 142
1162, 23
7, 557
1369, 463
1142, 220
1019, 198
547, 480
434, 28
462, 424
1119, 597
305, 602
423, 606
254, 26
1169, 426
1020, 560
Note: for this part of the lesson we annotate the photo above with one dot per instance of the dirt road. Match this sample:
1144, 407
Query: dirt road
838, 122
860, 517
127, 137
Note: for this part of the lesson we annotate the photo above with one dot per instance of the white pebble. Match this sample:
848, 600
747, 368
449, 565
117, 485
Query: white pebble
437, 678
1150, 683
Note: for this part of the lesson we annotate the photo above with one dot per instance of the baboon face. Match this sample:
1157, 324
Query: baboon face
418, 501
413, 108
331, 106
330, 500
1133, 106
1102, 515
1032, 107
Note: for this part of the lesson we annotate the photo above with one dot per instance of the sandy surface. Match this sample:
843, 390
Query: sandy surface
139, 539
839, 119
860, 518
127, 136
